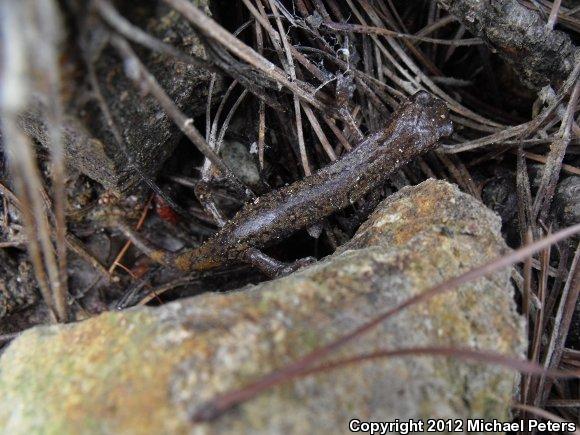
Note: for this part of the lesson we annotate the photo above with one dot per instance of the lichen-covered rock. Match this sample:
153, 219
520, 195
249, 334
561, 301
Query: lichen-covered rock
146, 370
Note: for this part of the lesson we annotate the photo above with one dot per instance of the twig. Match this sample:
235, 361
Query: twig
127, 245
513, 25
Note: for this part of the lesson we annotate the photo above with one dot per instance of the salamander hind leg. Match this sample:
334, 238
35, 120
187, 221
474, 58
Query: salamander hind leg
272, 267
161, 256
190, 260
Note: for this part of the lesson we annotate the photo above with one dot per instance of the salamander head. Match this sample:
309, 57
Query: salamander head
424, 118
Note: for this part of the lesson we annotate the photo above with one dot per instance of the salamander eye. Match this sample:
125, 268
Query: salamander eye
422, 97
446, 129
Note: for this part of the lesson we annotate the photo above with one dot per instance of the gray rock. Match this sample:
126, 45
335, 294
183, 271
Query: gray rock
237, 156
145, 370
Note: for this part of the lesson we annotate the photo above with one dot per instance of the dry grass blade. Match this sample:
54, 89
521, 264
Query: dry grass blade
228, 119
50, 26
222, 403
524, 197
135, 34
213, 30
291, 70
411, 72
569, 169
319, 133
562, 321
466, 354
523, 130
495, 138
261, 104
21, 55
143, 79
526, 296
15, 140
555, 159
370, 30
554, 14
436, 25
563, 403
213, 131
539, 319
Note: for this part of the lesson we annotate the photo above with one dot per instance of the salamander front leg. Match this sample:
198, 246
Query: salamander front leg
272, 267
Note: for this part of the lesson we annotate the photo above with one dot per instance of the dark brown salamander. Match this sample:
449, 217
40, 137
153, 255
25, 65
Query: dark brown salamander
412, 130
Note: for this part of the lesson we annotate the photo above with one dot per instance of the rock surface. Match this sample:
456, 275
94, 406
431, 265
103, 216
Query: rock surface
145, 370
566, 204
149, 134
540, 55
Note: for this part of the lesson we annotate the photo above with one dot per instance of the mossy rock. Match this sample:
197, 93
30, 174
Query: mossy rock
147, 370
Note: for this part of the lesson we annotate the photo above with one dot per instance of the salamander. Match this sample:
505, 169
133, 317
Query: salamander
413, 129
